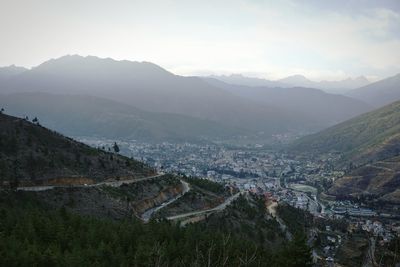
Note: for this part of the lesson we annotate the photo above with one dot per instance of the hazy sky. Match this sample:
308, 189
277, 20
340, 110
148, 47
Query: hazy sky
319, 39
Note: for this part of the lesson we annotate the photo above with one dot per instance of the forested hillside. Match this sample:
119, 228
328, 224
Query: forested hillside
33, 235
32, 154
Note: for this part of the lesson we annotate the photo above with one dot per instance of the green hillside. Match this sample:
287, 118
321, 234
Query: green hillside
370, 149
32, 154
370, 137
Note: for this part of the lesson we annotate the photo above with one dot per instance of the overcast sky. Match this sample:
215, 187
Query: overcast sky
271, 39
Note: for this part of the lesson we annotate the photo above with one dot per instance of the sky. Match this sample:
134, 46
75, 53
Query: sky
322, 40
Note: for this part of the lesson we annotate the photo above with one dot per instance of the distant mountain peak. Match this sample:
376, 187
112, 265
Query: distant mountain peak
298, 76
6, 72
350, 79
379, 93
75, 58
295, 78
237, 75
361, 78
92, 65
13, 67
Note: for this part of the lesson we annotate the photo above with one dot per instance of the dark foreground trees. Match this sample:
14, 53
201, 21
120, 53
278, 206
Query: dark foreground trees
31, 235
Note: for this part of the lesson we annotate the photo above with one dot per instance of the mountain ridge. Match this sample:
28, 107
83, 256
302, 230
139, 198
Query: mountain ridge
338, 86
323, 108
82, 115
380, 93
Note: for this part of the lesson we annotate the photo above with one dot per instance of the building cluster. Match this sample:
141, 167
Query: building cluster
342, 208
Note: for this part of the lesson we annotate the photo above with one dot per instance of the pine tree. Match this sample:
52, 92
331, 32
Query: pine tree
298, 254
116, 147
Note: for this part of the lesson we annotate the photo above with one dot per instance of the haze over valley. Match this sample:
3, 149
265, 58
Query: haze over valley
183, 133
254, 112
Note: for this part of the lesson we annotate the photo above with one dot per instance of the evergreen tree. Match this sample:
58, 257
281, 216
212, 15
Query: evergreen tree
297, 252
116, 147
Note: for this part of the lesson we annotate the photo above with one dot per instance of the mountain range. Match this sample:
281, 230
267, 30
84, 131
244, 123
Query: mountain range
318, 106
149, 87
376, 94
194, 106
295, 81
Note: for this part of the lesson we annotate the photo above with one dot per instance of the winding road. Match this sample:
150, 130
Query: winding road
369, 260
111, 183
220, 207
147, 214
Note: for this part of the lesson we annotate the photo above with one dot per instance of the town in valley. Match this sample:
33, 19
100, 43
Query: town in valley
300, 181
